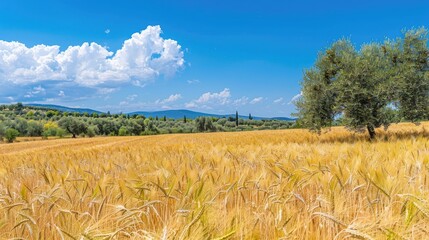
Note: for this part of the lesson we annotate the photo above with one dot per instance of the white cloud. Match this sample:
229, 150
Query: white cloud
194, 81
107, 31
39, 90
104, 91
279, 100
132, 97
129, 98
256, 100
241, 101
171, 98
294, 98
220, 97
144, 56
191, 105
61, 94
209, 98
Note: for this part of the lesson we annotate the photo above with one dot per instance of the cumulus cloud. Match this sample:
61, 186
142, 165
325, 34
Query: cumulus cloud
220, 97
241, 101
61, 94
191, 105
144, 56
256, 100
171, 98
209, 98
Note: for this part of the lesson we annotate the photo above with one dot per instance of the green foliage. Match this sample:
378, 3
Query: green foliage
34, 128
11, 134
60, 133
362, 91
50, 128
51, 113
30, 114
316, 106
92, 131
73, 125
203, 124
2, 131
361, 86
123, 131
34, 121
410, 58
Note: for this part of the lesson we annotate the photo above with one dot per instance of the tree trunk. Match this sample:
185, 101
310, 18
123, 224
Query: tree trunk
371, 132
70, 131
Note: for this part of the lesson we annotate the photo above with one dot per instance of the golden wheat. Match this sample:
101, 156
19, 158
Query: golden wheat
287, 184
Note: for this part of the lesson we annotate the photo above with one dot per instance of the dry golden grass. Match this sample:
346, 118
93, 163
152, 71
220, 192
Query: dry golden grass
287, 184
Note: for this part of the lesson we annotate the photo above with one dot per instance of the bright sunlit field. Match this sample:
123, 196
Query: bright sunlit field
288, 184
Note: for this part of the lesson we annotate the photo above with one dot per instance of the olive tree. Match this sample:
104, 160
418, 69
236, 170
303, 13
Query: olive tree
362, 86
361, 89
410, 56
316, 107
73, 125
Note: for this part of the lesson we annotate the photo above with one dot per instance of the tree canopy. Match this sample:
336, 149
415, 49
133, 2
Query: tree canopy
364, 86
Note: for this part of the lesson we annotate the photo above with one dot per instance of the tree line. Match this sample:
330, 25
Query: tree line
374, 86
19, 120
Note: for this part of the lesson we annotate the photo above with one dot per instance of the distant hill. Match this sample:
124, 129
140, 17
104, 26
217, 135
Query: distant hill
175, 114
63, 109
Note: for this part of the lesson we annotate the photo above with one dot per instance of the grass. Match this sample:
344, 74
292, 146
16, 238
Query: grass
287, 184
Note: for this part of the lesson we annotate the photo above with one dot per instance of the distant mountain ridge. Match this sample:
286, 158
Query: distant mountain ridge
63, 109
175, 114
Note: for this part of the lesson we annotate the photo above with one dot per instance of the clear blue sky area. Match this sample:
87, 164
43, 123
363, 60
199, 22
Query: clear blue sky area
234, 55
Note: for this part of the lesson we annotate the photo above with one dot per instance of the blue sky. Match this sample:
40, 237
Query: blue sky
211, 56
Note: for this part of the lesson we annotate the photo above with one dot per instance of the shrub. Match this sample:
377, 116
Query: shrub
11, 134
92, 131
60, 132
123, 131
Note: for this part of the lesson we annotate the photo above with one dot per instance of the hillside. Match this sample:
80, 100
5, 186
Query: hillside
63, 109
174, 114
17, 120
177, 114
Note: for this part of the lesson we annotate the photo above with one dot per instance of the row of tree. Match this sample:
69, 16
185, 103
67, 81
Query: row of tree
367, 87
15, 123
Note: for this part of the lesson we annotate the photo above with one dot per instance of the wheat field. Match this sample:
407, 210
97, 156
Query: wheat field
288, 184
